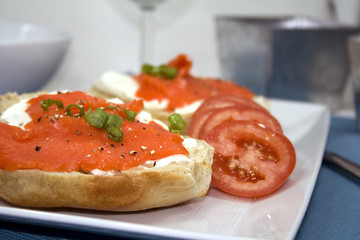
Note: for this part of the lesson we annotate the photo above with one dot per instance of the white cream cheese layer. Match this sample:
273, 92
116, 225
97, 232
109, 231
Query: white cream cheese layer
191, 108
261, 100
118, 84
16, 115
188, 143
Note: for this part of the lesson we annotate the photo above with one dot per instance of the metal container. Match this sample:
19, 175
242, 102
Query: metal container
294, 58
354, 50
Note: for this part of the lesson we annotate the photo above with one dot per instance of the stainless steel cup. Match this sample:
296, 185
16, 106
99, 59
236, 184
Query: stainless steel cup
354, 53
290, 58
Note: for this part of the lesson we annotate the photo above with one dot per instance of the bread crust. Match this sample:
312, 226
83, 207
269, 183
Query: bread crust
136, 189
10, 98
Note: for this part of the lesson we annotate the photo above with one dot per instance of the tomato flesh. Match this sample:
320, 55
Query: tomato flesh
221, 115
218, 102
250, 160
197, 122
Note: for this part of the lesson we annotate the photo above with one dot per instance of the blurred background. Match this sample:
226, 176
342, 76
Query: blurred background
105, 33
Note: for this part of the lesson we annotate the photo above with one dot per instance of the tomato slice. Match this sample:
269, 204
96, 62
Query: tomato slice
221, 115
197, 122
203, 112
250, 160
217, 102
221, 101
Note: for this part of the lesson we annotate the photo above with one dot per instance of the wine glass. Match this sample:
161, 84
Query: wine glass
147, 8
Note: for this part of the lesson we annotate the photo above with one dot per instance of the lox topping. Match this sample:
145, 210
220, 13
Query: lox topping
56, 141
181, 88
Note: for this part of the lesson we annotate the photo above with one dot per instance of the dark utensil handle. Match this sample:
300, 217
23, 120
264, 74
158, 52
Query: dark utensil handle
343, 163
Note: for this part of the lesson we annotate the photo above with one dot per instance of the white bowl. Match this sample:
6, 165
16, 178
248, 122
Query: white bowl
29, 56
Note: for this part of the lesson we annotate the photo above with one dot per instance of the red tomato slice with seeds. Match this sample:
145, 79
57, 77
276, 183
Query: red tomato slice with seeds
221, 115
250, 160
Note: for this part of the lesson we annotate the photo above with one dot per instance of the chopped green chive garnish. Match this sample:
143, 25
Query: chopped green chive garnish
159, 71
130, 115
46, 103
69, 113
96, 119
146, 68
177, 123
112, 127
110, 123
99, 119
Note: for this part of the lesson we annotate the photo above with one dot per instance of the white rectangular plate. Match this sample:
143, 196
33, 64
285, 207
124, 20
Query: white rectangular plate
218, 215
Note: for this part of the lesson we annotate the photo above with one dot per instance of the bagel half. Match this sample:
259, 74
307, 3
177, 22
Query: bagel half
136, 189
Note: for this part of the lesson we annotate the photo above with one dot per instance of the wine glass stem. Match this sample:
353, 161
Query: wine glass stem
147, 34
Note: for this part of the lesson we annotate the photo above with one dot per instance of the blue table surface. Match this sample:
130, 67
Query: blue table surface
333, 211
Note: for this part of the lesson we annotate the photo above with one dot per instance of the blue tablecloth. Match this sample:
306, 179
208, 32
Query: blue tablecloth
334, 209
333, 212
